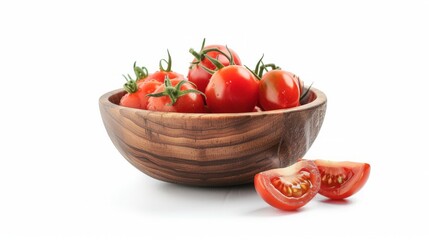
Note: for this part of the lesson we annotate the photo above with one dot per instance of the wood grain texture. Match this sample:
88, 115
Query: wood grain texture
211, 149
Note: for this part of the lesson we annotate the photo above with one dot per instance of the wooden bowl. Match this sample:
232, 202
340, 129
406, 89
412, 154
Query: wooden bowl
211, 149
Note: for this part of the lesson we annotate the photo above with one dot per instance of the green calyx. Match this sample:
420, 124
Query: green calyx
216, 62
140, 72
261, 67
131, 85
169, 63
202, 54
174, 92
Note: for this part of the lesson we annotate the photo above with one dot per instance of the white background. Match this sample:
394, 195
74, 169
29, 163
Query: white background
62, 178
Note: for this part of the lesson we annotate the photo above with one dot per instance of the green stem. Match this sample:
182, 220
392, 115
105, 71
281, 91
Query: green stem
140, 72
184, 92
272, 66
258, 64
231, 59
253, 72
130, 86
169, 63
207, 69
203, 53
174, 93
196, 55
202, 45
215, 62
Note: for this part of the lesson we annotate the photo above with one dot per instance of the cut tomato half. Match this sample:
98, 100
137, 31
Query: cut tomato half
289, 188
341, 180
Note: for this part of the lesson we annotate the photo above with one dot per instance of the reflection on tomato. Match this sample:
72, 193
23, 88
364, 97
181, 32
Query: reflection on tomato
232, 89
279, 89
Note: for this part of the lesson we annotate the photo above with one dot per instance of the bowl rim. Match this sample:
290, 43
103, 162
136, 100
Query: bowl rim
318, 101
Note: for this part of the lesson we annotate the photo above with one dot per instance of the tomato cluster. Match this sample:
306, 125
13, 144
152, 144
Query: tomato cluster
217, 82
292, 187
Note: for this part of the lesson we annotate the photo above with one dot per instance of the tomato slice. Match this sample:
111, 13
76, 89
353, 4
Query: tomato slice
340, 180
289, 188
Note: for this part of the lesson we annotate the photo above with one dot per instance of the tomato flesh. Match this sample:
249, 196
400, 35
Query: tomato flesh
289, 188
341, 180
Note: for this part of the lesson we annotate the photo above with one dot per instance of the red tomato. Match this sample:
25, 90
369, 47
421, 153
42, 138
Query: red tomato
160, 76
162, 73
279, 89
147, 87
201, 77
232, 89
176, 96
136, 93
133, 97
289, 188
341, 179
131, 100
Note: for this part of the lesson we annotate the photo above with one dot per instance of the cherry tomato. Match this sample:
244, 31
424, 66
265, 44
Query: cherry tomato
279, 89
162, 73
197, 74
131, 100
340, 180
232, 89
176, 95
160, 76
145, 88
289, 188
135, 96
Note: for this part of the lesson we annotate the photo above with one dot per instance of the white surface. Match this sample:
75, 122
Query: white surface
62, 178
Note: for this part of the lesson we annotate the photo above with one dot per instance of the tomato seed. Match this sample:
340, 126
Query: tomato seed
295, 187
289, 192
324, 178
297, 192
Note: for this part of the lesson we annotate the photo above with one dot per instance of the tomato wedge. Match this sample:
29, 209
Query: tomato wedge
340, 180
289, 188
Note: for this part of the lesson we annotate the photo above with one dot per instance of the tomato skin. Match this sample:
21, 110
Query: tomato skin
160, 76
279, 89
147, 87
232, 89
132, 100
201, 77
353, 175
188, 103
138, 99
273, 195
